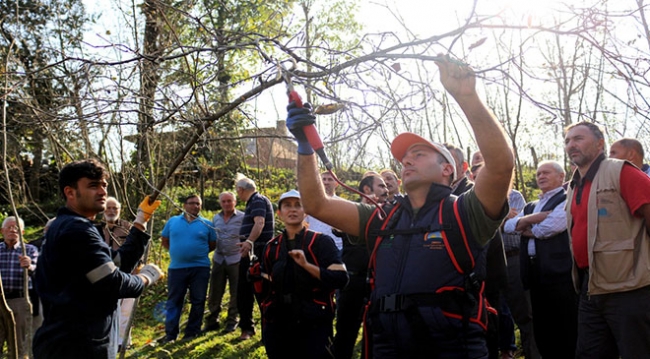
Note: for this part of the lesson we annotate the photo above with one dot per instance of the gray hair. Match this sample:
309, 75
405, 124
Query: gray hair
13, 218
111, 198
244, 182
456, 152
594, 128
227, 192
555, 164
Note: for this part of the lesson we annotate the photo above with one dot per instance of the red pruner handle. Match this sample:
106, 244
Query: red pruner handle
311, 133
312, 136
294, 97
317, 144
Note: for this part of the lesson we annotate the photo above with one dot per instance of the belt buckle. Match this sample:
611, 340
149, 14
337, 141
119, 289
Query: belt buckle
390, 303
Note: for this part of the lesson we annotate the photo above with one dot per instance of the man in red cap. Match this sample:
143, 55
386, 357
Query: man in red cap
423, 301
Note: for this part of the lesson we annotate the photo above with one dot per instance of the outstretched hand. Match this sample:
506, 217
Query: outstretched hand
457, 78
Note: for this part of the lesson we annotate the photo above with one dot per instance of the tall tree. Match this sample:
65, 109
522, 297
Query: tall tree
40, 92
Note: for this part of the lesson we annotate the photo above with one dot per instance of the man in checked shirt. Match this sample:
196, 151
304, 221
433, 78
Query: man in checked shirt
12, 264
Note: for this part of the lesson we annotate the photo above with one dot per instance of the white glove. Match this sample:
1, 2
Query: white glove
142, 218
152, 272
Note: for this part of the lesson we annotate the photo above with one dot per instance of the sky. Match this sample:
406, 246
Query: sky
421, 17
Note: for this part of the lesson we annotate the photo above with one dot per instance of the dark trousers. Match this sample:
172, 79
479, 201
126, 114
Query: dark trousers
349, 314
518, 301
246, 296
221, 274
555, 313
506, 327
287, 339
614, 324
492, 336
178, 282
394, 337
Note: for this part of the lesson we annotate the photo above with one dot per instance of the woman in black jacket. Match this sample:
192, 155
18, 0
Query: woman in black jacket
304, 269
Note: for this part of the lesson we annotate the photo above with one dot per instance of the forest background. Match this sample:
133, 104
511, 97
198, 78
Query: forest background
178, 96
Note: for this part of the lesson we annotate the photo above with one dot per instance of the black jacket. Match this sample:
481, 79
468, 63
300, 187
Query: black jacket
79, 314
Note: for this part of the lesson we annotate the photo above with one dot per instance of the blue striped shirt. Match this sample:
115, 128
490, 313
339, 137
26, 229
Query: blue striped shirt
258, 206
10, 269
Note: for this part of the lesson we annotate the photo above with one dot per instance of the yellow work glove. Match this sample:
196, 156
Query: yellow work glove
145, 210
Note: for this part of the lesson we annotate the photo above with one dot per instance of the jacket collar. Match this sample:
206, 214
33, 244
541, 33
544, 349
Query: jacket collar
436, 193
576, 180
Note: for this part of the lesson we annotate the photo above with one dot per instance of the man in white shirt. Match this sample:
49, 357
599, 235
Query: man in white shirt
546, 264
315, 225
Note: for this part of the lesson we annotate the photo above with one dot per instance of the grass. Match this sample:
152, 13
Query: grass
149, 326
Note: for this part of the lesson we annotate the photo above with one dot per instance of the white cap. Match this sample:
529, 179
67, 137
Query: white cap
291, 194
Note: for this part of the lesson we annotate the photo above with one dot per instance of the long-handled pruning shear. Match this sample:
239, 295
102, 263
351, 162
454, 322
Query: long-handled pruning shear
310, 131
314, 138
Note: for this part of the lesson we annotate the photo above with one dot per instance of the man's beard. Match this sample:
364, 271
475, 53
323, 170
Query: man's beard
110, 218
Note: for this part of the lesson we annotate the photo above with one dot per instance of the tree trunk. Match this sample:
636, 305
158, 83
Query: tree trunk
149, 79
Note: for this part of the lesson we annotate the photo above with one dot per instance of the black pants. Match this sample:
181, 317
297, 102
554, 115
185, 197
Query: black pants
245, 294
492, 335
555, 315
349, 313
518, 301
614, 325
288, 339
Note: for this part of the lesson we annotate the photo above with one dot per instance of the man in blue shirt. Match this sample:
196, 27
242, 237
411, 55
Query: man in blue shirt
12, 266
189, 239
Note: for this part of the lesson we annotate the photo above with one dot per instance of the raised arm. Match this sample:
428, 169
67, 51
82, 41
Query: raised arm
336, 212
491, 186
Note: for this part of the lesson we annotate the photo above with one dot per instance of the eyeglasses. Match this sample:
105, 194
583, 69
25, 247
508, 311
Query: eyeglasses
13, 228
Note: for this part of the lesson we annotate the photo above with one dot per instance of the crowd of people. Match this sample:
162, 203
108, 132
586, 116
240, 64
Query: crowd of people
444, 260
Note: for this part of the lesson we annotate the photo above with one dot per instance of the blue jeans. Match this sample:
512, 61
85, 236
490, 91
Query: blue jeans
178, 282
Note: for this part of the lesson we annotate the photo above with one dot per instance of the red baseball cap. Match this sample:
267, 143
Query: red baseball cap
406, 140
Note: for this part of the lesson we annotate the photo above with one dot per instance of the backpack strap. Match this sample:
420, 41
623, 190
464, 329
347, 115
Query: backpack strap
453, 234
455, 237
308, 244
377, 226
